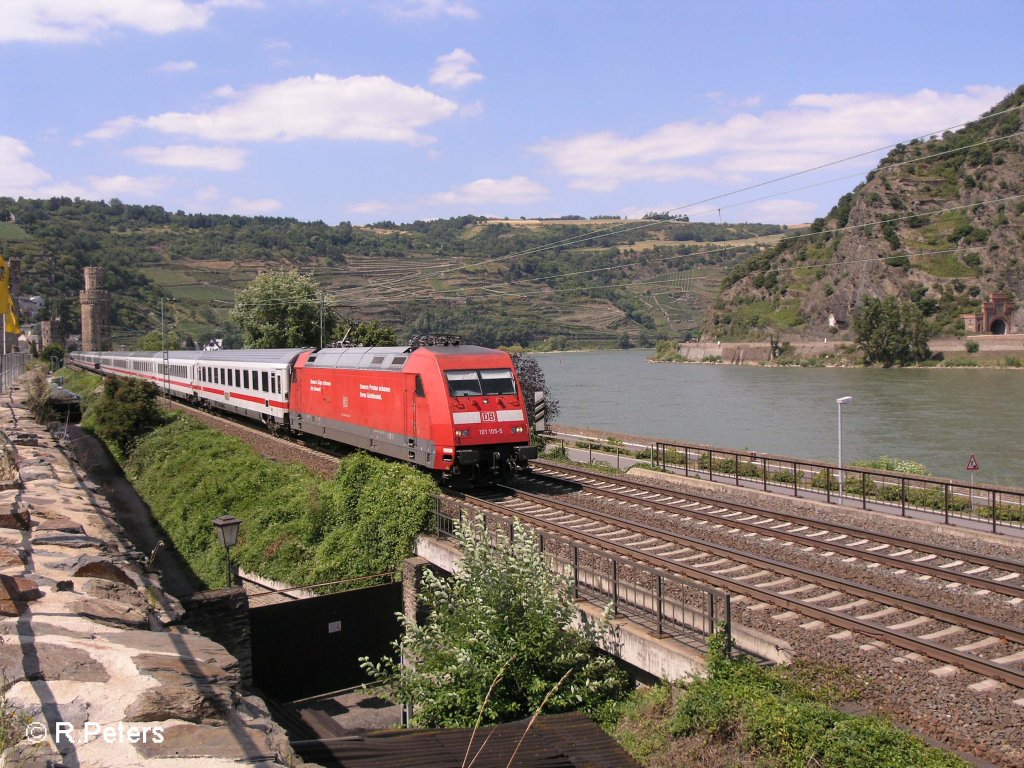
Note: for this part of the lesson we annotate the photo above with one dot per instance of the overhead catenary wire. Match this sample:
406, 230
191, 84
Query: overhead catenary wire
397, 287
601, 233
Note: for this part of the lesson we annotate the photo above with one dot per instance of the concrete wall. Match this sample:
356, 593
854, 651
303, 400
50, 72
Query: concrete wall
662, 657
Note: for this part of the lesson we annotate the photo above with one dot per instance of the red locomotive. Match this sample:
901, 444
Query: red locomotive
457, 410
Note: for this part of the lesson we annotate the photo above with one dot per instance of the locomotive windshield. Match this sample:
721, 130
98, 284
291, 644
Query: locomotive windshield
498, 381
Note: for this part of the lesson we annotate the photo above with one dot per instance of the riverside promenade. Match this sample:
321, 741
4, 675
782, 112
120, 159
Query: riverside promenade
99, 668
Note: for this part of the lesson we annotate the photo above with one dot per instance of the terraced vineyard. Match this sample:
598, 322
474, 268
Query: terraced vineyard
539, 283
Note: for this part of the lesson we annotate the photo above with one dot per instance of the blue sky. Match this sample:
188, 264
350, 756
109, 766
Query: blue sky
344, 110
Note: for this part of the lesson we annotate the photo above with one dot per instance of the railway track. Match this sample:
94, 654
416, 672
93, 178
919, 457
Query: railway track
984, 573
915, 662
849, 606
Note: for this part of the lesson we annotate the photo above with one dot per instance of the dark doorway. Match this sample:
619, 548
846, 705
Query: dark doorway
998, 326
312, 646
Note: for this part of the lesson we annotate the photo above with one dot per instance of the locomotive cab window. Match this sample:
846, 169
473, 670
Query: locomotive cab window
498, 382
463, 383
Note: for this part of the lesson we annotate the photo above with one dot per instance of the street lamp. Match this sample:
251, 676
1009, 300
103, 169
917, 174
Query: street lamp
227, 534
840, 402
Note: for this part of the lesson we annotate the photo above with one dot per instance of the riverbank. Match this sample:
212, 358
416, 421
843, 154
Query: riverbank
981, 351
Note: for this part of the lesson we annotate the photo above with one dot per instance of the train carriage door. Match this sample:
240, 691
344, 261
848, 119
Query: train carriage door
417, 420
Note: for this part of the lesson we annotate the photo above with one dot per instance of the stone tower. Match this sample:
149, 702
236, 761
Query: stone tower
95, 312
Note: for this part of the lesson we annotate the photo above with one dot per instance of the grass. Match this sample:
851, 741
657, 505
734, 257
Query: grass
12, 233
296, 528
745, 716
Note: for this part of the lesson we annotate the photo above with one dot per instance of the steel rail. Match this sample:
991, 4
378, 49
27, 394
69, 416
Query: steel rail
1010, 566
893, 637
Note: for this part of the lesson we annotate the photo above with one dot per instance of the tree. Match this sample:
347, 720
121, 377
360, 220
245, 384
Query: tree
154, 341
531, 377
496, 643
284, 309
891, 332
52, 354
124, 411
372, 335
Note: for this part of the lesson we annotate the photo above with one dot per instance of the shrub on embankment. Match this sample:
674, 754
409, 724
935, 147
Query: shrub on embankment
296, 527
742, 714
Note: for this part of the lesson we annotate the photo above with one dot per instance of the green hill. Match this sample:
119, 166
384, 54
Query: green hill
554, 283
938, 222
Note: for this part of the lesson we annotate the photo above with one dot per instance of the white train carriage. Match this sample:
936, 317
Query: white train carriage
171, 375
250, 382
254, 383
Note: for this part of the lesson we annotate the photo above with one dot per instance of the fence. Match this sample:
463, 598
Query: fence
668, 604
12, 366
990, 504
950, 498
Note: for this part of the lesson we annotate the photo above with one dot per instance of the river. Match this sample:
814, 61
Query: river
938, 417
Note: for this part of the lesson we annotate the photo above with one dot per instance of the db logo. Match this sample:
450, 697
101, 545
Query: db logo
489, 416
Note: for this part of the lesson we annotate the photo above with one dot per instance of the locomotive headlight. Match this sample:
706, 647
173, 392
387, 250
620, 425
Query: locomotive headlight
518, 430
462, 432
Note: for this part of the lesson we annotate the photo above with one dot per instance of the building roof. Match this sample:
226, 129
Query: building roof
569, 740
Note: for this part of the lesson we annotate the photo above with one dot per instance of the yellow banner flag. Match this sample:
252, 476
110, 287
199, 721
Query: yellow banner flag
6, 300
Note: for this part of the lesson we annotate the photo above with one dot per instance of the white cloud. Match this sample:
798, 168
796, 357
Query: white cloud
250, 4
253, 207
207, 194
453, 70
517, 189
186, 156
177, 66
778, 211
125, 186
471, 110
114, 128
318, 107
18, 176
420, 10
370, 207
812, 130
73, 21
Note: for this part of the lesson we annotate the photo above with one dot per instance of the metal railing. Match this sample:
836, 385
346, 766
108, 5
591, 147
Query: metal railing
12, 365
993, 504
667, 604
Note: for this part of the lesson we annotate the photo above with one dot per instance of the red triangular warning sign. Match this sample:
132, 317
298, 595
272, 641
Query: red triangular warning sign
972, 464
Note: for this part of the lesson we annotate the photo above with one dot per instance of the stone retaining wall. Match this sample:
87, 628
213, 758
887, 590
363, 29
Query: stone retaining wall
101, 669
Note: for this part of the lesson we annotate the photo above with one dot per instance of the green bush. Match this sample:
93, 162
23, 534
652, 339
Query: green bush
729, 466
889, 464
124, 411
971, 346
297, 528
785, 477
825, 478
785, 724
496, 645
855, 485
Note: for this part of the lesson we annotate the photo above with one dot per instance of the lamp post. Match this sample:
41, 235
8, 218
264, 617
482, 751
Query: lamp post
840, 402
227, 534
